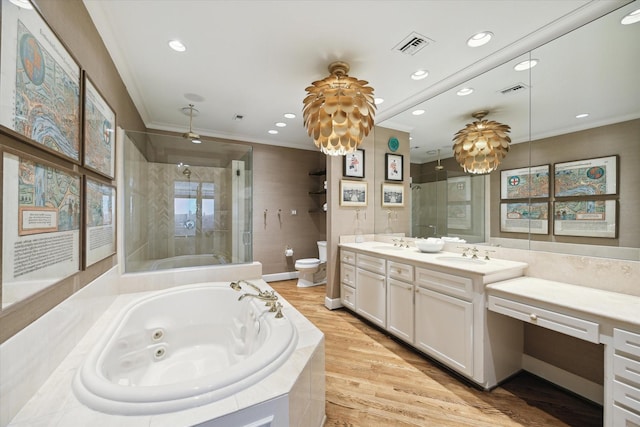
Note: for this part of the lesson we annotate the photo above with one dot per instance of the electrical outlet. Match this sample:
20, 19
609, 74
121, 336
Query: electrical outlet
294, 212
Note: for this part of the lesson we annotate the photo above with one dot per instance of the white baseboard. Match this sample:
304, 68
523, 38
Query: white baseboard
287, 275
332, 303
572, 382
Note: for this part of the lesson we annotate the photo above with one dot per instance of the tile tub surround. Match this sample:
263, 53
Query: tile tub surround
300, 379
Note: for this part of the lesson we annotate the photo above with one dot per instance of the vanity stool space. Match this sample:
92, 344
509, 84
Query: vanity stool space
436, 304
601, 317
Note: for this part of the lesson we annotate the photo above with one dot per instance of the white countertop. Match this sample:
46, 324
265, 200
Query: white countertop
447, 260
595, 302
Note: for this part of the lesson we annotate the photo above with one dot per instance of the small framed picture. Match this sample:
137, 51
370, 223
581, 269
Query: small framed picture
353, 193
354, 164
392, 195
393, 171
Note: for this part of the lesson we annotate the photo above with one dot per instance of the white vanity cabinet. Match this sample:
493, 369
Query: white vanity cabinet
400, 297
371, 289
348, 279
626, 382
436, 306
444, 321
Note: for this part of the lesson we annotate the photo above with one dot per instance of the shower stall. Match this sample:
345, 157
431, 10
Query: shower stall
185, 204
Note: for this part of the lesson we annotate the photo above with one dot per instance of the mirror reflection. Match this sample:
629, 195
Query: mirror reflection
578, 102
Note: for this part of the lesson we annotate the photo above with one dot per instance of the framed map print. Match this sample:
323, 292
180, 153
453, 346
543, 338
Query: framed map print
524, 183
40, 85
99, 132
585, 218
100, 227
524, 218
41, 217
591, 177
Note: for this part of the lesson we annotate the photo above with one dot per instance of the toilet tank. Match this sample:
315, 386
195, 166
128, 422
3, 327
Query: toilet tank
322, 251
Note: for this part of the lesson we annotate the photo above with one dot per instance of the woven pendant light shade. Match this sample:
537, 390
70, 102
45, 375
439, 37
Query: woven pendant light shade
481, 145
338, 111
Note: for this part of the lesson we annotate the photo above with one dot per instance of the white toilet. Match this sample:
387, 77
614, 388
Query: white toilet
313, 271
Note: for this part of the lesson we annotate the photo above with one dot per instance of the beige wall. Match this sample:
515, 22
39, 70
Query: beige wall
619, 139
281, 182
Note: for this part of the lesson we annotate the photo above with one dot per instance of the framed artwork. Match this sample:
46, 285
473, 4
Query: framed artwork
524, 183
585, 218
392, 195
353, 193
41, 214
353, 166
99, 131
591, 177
40, 85
393, 170
524, 217
100, 221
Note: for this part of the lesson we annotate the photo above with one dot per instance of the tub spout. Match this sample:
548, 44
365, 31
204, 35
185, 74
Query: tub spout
268, 296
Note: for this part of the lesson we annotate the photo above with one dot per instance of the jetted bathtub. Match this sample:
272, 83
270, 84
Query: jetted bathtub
181, 348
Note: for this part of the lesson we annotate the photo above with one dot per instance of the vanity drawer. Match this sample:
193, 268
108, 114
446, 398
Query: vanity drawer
400, 271
624, 418
347, 256
456, 286
348, 274
627, 342
348, 296
370, 263
569, 325
627, 369
626, 395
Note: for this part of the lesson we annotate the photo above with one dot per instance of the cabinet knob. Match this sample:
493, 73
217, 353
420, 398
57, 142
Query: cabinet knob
533, 317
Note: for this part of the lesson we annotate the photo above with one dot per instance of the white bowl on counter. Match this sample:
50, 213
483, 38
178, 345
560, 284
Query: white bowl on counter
430, 245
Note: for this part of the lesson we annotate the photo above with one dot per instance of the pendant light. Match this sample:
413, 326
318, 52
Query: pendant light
194, 137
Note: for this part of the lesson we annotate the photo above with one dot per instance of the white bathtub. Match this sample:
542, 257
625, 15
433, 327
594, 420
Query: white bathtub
182, 261
182, 348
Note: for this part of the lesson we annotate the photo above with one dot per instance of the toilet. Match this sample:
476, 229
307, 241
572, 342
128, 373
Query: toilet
313, 271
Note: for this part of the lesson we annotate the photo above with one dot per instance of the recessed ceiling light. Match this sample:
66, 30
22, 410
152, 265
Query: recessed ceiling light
479, 39
273, 131
289, 115
22, 3
419, 75
582, 116
417, 112
465, 91
378, 101
281, 124
525, 65
631, 18
177, 45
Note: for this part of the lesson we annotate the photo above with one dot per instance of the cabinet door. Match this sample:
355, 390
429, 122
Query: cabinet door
371, 296
400, 309
444, 329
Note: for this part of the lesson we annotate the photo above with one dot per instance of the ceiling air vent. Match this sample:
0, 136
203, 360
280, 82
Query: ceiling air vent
518, 87
412, 44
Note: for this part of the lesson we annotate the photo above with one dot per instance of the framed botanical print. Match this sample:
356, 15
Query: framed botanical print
353, 166
393, 170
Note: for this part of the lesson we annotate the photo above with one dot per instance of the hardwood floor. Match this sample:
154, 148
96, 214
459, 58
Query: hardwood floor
373, 380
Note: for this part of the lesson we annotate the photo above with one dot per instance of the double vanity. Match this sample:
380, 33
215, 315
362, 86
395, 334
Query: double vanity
469, 314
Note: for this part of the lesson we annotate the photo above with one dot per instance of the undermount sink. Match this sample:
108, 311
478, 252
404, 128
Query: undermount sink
460, 259
392, 248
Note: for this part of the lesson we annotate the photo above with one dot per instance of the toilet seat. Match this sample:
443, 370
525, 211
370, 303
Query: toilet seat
310, 262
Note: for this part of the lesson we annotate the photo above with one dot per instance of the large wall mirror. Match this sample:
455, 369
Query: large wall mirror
591, 70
